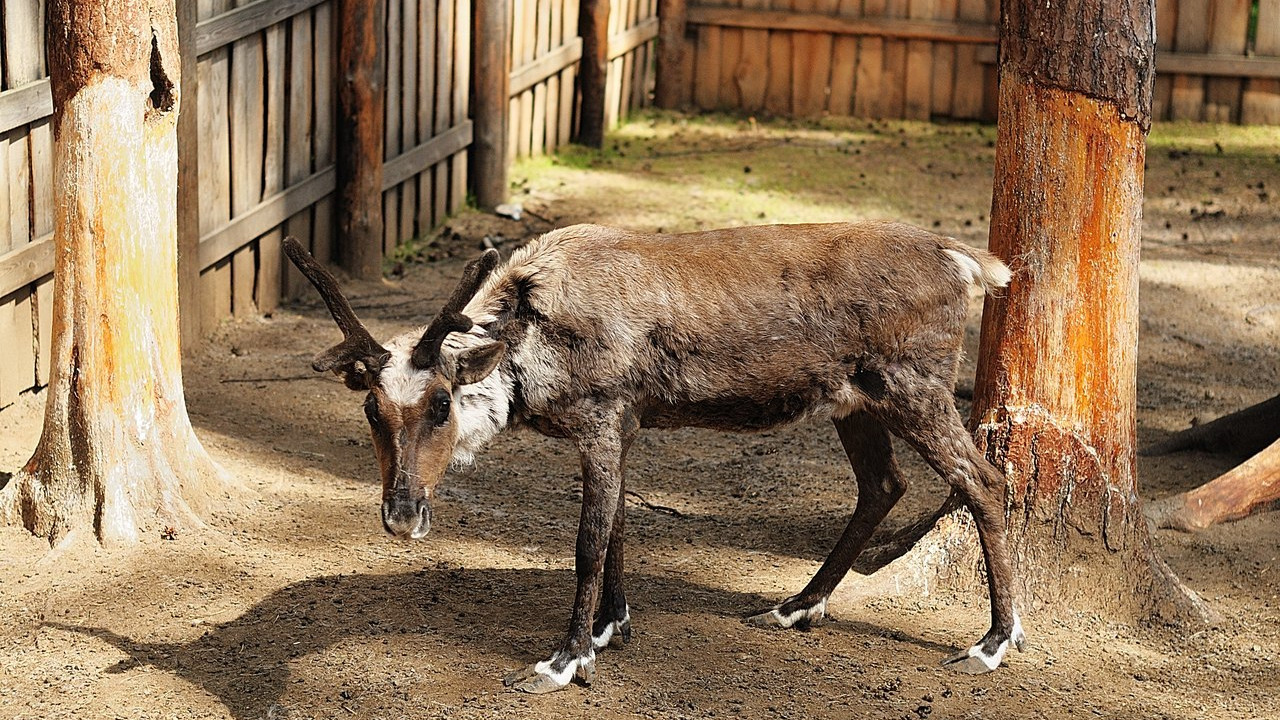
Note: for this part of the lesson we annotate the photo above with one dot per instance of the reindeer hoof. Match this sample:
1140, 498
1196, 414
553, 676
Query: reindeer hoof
550, 675
612, 633
789, 614
969, 664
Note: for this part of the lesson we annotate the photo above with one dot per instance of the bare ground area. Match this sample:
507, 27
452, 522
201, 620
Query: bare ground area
293, 603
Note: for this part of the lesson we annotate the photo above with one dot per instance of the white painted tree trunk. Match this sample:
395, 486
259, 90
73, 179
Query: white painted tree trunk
117, 454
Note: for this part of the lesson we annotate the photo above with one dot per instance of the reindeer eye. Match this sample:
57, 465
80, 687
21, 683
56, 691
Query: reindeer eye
440, 406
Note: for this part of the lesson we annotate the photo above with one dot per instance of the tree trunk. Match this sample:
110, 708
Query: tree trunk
360, 141
117, 454
1251, 487
1056, 389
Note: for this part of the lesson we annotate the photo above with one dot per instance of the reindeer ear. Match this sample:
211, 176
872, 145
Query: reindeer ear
474, 364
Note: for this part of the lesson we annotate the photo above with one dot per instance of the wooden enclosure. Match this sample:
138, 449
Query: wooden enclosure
257, 142
919, 59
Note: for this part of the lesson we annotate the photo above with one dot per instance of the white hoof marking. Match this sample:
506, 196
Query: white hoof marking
563, 677
812, 614
599, 641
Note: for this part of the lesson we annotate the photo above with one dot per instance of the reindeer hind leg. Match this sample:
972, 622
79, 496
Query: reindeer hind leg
880, 484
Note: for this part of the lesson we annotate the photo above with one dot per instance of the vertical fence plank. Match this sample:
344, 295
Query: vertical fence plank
706, 64
672, 85
918, 70
869, 77
407, 192
23, 64
966, 100
215, 169
811, 63
444, 97
247, 154
730, 61
777, 94
324, 225
1228, 35
44, 322
555, 29
391, 118
1166, 26
568, 77
298, 138
942, 76
895, 65
188, 215
1261, 103
844, 63
541, 45
461, 100
426, 106
269, 268
1192, 35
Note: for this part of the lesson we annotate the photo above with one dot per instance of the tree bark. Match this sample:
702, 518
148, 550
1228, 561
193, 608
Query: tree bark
360, 141
117, 454
593, 27
1251, 487
1055, 395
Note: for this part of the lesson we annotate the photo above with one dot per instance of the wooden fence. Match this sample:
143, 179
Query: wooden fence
918, 59
262, 143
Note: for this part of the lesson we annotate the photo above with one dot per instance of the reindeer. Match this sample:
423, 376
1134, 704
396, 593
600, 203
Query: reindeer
592, 333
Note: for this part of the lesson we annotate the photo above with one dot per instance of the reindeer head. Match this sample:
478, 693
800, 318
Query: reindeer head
412, 389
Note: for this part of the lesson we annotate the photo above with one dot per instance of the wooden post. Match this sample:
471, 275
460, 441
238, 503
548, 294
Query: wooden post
593, 27
492, 90
188, 180
358, 217
672, 16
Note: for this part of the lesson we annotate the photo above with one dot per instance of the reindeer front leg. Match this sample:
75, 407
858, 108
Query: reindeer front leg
602, 452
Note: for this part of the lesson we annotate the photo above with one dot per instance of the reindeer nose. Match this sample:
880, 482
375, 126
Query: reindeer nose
405, 517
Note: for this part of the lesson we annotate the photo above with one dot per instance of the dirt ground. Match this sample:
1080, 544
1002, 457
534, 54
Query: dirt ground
294, 604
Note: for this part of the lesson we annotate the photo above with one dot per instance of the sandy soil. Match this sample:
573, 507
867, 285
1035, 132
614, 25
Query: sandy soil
293, 604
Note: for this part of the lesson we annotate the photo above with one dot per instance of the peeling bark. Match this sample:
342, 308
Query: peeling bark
1055, 395
117, 453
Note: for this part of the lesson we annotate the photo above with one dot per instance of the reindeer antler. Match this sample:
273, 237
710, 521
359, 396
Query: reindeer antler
450, 318
357, 344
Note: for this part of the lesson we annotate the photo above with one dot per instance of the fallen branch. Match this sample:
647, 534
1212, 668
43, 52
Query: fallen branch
1249, 488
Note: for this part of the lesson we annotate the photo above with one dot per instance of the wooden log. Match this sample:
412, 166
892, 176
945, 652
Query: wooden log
1242, 433
1247, 489
671, 26
188, 180
1261, 102
593, 28
359, 134
492, 82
